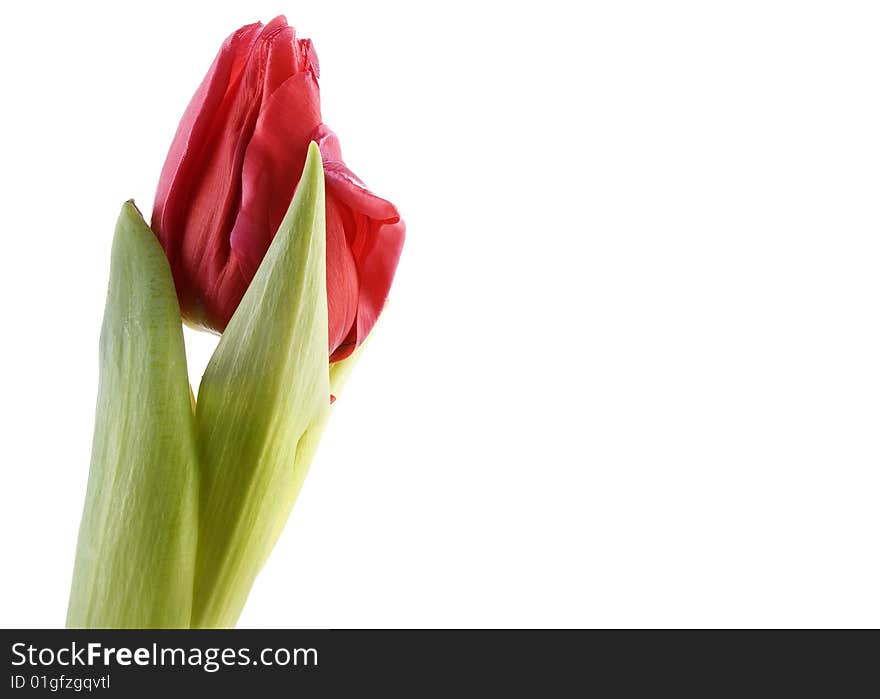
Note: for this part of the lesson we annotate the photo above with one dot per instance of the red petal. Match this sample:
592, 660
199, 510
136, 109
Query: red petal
374, 235
272, 167
193, 132
377, 263
214, 195
342, 275
212, 220
376, 266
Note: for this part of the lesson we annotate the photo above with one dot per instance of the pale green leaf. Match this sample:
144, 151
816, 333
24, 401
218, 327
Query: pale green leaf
137, 540
261, 405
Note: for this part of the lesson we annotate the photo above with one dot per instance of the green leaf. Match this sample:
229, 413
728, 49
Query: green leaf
137, 540
262, 403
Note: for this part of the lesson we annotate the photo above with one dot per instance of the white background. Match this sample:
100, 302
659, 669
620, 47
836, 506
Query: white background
630, 373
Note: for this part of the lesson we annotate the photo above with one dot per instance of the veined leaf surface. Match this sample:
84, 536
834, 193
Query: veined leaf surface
137, 540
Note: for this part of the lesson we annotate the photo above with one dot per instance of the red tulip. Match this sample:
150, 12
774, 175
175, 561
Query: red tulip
231, 173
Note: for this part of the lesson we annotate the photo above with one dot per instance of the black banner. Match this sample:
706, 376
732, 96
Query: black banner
412, 663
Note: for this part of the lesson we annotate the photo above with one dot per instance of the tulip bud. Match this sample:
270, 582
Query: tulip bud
262, 404
230, 175
137, 540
